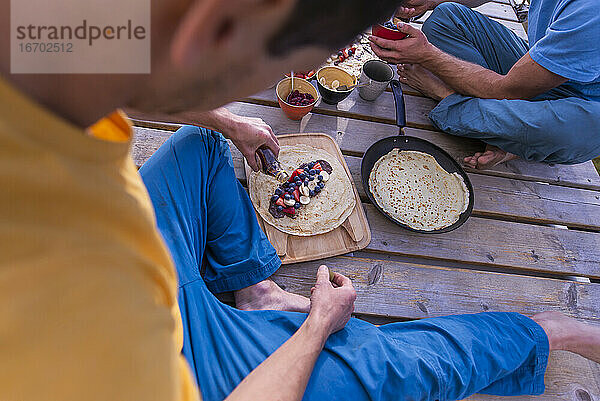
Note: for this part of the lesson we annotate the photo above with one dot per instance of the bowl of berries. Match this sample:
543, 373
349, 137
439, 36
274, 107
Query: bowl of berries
387, 30
298, 102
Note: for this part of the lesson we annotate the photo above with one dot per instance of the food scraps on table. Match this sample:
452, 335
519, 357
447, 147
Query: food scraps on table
303, 75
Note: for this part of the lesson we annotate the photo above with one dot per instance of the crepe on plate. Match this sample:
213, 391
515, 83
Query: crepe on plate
324, 213
414, 189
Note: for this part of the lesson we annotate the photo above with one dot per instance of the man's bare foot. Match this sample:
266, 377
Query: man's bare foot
424, 81
567, 334
267, 295
488, 159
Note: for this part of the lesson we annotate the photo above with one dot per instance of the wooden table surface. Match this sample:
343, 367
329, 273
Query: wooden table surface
531, 245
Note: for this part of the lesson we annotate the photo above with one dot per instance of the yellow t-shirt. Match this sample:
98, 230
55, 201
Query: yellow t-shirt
88, 306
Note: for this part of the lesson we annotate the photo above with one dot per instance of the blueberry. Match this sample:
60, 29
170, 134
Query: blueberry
296, 178
302, 176
290, 190
292, 185
288, 196
312, 172
311, 178
320, 177
317, 190
297, 205
321, 184
350, 52
311, 165
274, 198
279, 208
340, 53
278, 191
311, 193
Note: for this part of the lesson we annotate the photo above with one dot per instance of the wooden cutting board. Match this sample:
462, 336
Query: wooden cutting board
352, 235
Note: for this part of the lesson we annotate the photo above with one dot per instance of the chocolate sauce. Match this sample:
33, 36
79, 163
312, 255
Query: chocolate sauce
270, 165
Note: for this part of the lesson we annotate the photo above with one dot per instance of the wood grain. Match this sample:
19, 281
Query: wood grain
479, 241
524, 247
413, 291
353, 235
524, 201
355, 136
381, 109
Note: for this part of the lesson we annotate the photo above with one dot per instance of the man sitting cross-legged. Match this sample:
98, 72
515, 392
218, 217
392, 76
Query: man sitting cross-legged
209, 225
538, 101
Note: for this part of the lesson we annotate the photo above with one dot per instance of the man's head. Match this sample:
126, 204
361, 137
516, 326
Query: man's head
206, 53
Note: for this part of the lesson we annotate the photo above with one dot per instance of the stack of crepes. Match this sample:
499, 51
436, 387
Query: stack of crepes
325, 212
414, 189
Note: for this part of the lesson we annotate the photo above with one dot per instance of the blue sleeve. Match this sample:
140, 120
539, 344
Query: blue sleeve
571, 44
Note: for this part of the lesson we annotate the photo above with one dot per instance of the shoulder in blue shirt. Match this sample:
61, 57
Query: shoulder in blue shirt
564, 38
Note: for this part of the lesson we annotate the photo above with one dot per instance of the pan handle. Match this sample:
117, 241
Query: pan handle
399, 101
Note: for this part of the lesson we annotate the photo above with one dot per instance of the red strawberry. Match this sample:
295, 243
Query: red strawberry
345, 53
279, 202
317, 166
297, 194
294, 174
289, 210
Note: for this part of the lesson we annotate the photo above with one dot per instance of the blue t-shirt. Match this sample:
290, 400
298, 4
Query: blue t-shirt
564, 38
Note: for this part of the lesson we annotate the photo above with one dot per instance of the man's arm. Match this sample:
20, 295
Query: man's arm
284, 374
526, 79
247, 133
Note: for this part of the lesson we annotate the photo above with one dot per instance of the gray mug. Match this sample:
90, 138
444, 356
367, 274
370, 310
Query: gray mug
376, 76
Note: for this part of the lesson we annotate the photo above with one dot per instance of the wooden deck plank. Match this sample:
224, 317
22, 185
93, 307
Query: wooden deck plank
494, 196
502, 11
489, 242
413, 291
355, 136
479, 241
523, 201
380, 110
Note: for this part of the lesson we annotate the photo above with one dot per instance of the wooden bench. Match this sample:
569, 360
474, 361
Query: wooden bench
532, 244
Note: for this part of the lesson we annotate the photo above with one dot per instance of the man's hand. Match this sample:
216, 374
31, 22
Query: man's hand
413, 49
331, 306
248, 134
412, 8
284, 374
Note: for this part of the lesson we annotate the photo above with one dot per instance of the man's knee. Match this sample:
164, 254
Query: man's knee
568, 129
443, 17
200, 143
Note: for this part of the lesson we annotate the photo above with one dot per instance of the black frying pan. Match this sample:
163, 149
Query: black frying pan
404, 142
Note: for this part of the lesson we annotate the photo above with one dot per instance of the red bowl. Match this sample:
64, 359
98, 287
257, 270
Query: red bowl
387, 33
283, 89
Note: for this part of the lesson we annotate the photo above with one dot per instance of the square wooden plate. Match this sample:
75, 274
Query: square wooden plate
352, 235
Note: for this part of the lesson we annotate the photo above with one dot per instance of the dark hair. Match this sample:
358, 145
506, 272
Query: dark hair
330, 24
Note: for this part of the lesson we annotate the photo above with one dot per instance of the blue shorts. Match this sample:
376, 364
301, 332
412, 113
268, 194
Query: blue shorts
209, 225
